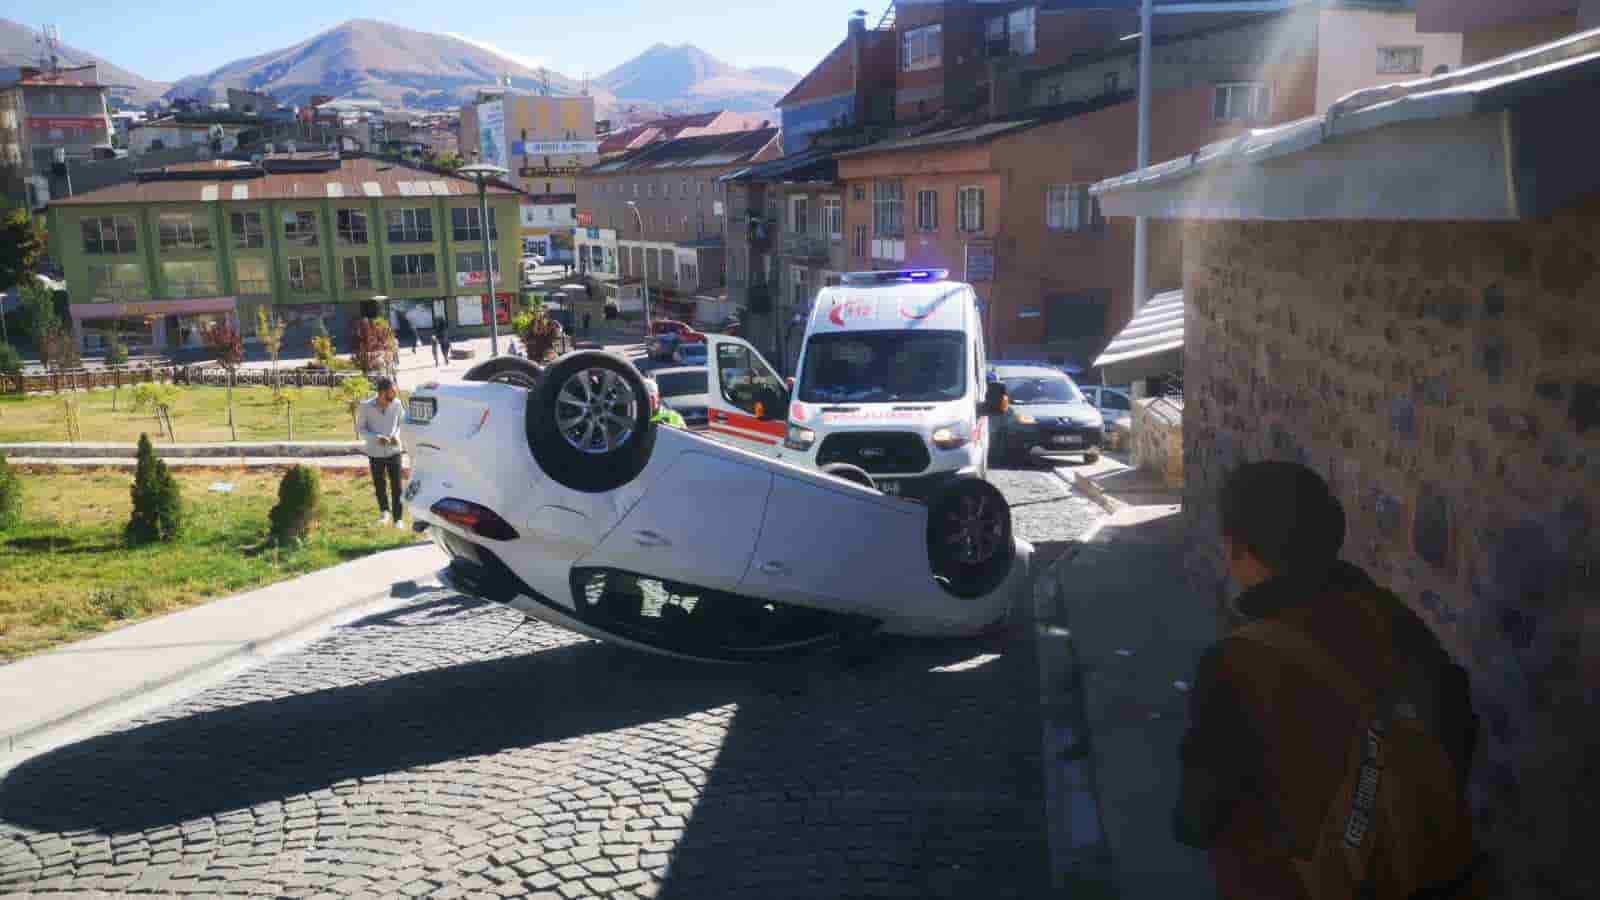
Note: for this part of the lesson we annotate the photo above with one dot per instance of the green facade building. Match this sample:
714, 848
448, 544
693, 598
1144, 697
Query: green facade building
310, 236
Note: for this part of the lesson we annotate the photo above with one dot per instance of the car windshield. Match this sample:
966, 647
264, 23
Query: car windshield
693, 350
679, 384
884, 367
1041, 389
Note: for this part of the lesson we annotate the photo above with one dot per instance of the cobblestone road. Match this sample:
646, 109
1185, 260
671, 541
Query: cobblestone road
446, 749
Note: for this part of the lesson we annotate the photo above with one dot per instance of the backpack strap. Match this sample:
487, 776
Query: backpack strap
1295, 644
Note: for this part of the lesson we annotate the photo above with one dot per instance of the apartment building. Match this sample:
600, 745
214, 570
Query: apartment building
664, 206
44, 113
308, 235
1493, 28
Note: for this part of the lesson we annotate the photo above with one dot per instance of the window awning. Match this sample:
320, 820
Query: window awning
1152, 340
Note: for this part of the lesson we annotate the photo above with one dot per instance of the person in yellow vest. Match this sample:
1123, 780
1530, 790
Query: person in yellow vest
660, 412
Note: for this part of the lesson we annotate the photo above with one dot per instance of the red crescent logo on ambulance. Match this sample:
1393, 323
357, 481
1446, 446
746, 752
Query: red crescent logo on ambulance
797, 411
836, 315
913, 311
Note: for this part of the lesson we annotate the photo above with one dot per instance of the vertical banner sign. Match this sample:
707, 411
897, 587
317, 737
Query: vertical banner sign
492, 132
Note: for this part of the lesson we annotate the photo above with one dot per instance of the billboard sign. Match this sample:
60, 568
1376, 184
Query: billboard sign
492, 132
554, 148
469, 311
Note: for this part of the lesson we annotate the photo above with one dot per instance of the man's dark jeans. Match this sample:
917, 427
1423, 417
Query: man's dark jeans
387, 468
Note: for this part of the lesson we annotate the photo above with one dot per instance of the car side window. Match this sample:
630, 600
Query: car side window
746, 382
1116, 401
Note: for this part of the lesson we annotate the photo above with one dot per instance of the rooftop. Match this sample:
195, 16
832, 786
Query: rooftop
1492, 142
302, 176
728, 149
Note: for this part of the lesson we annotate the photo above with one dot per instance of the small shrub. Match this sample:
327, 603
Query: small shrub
299, 505
322, 348
157, 502
10, 495
10, 360
119, 602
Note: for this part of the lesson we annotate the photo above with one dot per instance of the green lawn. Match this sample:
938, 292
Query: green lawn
201, 415
66, 574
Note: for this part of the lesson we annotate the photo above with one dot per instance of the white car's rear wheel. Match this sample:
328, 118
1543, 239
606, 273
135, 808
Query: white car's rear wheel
589, 422
970, 543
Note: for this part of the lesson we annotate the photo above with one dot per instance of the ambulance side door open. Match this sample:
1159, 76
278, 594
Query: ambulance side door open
747, 403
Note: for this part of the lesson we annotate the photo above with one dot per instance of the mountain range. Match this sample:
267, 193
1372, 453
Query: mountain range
23, 46
407, 69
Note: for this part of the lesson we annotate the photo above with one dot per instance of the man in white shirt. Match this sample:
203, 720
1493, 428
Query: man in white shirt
378, 424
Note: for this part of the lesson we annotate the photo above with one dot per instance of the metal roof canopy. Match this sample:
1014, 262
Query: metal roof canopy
1155, 329
1492, 142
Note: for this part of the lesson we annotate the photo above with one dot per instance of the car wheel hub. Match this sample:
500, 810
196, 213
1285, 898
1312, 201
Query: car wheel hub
977, 532
596, 411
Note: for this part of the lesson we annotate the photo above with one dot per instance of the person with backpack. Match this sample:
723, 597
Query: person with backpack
1330, 736
444, 344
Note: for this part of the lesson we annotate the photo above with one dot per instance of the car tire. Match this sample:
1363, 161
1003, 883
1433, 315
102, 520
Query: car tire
512, 370
556, 413
851, 473
969, 538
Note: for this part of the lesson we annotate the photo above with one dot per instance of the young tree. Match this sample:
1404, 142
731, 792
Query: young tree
116, 358
10, 495
354, 391
21, 246
223, 340
157, 502
39, 315
373, 340
270, 329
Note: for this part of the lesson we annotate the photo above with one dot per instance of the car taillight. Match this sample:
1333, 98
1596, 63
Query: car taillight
477, 519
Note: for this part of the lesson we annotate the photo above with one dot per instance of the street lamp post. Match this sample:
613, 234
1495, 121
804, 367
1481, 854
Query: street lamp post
645, 299
481, 173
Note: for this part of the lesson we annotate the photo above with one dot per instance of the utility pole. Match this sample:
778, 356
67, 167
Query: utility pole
1141, 226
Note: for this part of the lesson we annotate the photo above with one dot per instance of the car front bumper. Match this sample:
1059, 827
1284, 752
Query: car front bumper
1047, 441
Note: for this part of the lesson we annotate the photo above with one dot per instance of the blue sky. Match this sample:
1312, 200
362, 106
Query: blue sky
167, 41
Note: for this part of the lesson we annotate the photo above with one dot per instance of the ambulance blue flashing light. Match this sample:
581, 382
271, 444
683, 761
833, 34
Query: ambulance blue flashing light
893, 275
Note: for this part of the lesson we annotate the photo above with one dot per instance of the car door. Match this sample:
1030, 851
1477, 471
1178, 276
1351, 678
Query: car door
696, 524
837, 545
747, 404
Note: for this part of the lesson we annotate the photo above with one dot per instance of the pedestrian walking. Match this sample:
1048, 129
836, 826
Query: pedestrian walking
444, 344
1330, 736
378, 425
588, 318
415, 340
433, 344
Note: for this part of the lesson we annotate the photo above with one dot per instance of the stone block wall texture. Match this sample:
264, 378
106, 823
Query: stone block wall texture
1158, 438
1445, 378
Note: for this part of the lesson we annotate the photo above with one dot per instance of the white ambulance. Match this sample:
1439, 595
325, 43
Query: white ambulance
891, 383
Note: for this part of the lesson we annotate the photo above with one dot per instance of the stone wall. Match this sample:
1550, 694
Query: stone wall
1445, 378
1158, 438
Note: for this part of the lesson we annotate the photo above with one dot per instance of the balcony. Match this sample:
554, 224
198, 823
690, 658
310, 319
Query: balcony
119, 293
183, 290
255, 287
810, 247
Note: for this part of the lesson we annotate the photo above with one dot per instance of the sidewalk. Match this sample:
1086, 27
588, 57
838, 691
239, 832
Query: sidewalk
44, 696
1119, 625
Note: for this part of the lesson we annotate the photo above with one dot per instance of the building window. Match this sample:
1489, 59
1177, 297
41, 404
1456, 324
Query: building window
689, 275
636, 188
859, 192
650, 189
684, 187
117, 281
1070, 207
352, 227
247, 231
190, 279
799, 288
467, 225
305, 274
833, 218
1076, 316
1245, 101
888, 209
473, 262
858, 247
253, 277
700, 189
969, 209
357, 273
183, 231
1012, 34
927, 210
300, 227
1399, 60
922, 48
410, 226
411, 271
109, 235
799, 214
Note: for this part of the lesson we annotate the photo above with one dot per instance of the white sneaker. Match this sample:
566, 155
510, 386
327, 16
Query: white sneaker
400, 524
383, 519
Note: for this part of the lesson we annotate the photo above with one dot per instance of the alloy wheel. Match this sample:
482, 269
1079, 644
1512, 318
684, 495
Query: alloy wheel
596, 411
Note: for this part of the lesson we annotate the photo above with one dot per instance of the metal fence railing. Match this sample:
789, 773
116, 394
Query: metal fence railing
37, 382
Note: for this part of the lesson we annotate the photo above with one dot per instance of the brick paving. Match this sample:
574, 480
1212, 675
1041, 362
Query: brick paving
448, 749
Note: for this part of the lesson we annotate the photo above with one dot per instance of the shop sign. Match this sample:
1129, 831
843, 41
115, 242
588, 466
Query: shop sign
554, 148
549, 171
585, 219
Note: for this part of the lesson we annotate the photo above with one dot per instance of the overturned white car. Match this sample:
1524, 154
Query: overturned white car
553, 492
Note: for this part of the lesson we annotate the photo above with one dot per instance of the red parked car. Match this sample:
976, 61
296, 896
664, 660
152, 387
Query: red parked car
684, 332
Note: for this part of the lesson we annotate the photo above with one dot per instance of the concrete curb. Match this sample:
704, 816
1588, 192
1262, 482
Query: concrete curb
296, 449
1095, 492
31, 736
